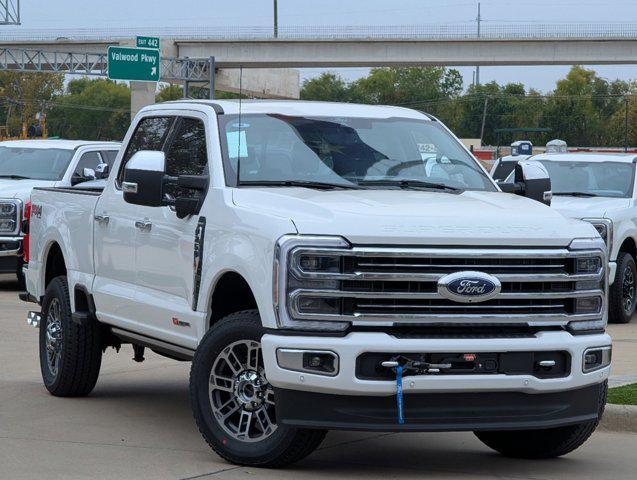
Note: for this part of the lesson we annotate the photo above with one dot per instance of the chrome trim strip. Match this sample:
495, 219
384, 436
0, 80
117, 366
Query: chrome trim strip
307, 292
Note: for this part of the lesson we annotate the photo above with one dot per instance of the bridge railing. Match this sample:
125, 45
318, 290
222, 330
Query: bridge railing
510, 31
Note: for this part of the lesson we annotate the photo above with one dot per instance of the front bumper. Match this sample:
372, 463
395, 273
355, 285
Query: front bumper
349, 347
10, 250
441, 411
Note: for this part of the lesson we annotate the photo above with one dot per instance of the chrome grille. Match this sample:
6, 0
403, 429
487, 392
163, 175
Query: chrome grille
392, 286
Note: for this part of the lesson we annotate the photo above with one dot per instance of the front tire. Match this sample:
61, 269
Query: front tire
70, 354
623, 291
545, 443
233, 403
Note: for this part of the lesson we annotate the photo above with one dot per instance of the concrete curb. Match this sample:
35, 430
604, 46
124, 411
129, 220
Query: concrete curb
619, 418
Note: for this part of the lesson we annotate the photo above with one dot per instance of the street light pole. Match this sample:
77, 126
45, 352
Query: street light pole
478, 67
276, 19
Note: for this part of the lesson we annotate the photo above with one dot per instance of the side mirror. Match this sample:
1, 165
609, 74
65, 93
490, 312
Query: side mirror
89, 174
102, 170
144, 179
532, 180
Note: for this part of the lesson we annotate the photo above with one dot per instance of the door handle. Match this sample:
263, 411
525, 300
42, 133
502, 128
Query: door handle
144, 225
101, 219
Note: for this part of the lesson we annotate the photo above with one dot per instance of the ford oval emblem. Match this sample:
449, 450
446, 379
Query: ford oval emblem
469, 287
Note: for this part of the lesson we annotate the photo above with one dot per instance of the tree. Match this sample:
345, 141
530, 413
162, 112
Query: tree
169, 92
26, 95
327, 87
96, 109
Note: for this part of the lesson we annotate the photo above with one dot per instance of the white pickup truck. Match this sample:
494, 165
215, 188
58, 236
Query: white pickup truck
326, 266
25, 164
600, 188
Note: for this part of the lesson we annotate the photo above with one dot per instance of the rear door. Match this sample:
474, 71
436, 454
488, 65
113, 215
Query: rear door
165, 250
116, 234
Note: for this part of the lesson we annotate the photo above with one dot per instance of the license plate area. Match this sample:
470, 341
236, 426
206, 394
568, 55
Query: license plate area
544, 364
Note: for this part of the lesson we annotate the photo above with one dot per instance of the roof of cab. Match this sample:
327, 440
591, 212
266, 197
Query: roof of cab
299, 107
586, 157
55, 143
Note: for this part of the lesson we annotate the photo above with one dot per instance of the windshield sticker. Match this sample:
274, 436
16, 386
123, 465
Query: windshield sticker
237, 144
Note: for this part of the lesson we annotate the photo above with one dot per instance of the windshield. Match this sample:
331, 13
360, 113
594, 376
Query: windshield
34, 163
603, 179
345, 151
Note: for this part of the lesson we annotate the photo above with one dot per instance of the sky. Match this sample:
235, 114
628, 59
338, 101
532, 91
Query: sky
141, 14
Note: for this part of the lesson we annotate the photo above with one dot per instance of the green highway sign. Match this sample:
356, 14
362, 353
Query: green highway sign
148, 42
140, 64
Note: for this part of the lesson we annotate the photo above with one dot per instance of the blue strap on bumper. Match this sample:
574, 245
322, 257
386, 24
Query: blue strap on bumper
399, 394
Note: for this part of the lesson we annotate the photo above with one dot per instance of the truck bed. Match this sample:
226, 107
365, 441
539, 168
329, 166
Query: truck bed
62, 217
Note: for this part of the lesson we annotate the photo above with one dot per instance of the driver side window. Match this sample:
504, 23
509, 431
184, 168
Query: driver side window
150, 134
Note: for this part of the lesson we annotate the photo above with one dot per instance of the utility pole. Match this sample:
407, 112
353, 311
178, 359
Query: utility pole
478, 67
484, 118
276, 19
625, 124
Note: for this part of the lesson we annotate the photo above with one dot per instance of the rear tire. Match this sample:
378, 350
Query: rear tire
623, 291
70, 354
224, 401
546, 443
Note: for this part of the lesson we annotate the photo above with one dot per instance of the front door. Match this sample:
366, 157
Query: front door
165, 247
116, 234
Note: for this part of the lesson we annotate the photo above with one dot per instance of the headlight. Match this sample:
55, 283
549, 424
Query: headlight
301, 262
604, 227
9, 216
590, 262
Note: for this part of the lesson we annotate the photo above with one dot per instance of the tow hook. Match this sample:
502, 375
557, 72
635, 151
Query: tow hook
403, 366
33, 319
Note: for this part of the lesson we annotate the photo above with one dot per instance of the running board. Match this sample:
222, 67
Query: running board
167, 348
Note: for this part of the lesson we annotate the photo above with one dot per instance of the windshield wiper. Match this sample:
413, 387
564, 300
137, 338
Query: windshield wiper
576, 194
15, 177
410, 184
298, 183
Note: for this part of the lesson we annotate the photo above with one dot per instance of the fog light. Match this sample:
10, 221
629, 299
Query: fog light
596, 358
588, 305
319, 362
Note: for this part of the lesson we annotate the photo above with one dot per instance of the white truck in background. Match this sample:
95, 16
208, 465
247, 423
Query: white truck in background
599, 188
25, 164
322, 272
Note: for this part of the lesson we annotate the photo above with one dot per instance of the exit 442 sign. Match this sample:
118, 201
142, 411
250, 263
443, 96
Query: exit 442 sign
139, 64
147, 42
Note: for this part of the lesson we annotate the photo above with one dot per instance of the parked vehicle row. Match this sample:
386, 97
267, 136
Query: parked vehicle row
25, 164
325, 266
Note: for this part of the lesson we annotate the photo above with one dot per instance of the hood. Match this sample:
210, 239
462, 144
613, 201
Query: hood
416, 217
21, 189
588, 207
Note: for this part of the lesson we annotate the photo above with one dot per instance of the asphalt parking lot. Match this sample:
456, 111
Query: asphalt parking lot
137, 424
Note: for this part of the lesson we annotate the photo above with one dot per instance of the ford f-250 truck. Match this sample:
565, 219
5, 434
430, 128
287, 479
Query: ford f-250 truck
600, 188
326, 266
25, 164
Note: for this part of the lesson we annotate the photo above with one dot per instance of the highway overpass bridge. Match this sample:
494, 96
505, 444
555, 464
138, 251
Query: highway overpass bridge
258, 53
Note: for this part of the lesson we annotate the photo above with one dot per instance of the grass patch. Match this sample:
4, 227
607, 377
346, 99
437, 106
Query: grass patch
626, 395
